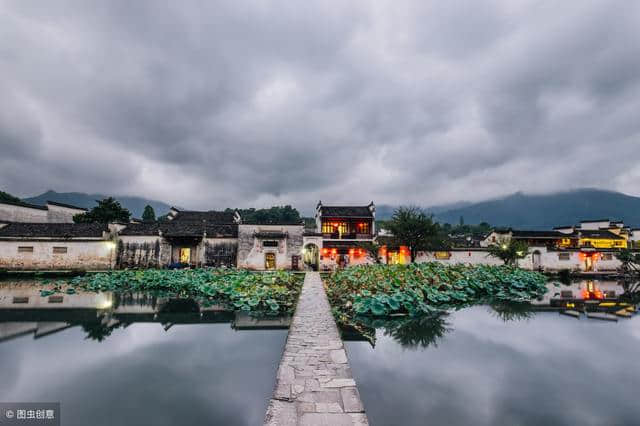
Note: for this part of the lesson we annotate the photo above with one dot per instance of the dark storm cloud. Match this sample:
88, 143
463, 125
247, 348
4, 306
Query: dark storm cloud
213, 104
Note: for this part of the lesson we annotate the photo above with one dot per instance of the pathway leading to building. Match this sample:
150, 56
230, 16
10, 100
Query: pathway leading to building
314, 385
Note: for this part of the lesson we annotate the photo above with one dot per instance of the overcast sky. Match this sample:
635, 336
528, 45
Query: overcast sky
239, 103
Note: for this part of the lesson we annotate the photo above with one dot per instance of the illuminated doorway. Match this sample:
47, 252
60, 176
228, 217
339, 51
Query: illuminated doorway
270, 261
185, 255
311, 256
588, 263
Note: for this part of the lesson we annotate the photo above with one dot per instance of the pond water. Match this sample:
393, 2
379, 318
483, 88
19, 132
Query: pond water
477, 367
136, 359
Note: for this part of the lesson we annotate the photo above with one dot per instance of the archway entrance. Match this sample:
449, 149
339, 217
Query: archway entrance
536, 260
311, 256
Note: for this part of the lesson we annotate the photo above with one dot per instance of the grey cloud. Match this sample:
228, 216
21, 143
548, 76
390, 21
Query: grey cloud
215, 104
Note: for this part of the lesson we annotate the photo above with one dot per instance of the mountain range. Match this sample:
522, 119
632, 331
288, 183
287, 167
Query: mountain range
135, 205
545, 211
540, 211
519, 210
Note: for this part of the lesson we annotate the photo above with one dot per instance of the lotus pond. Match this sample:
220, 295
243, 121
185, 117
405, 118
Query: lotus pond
503, 364
136, 358
356, 294
266, 293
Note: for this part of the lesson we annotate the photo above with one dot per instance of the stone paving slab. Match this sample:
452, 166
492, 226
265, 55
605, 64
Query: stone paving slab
314, 385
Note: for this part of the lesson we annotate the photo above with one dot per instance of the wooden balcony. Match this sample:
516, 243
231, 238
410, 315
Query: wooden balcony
349, 236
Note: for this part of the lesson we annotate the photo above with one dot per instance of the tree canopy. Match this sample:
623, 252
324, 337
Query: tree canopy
5, 196
149, 215
508, 250
630, 261
275, 214
107, 210
412, 227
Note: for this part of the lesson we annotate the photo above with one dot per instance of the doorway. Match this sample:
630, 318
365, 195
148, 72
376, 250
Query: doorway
185, 255
588, 263
311, 256
536, 260
269, 261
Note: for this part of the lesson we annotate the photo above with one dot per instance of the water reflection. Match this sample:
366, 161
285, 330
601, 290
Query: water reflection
604, 300
504, 364
23, 310
134, 359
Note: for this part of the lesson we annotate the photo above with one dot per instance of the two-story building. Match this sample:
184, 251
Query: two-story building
339, 232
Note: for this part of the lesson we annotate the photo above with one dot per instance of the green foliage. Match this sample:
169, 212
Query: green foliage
5, 196
275, 214
476, 232
508, 250
426, 288
107, 211
413, 228
149, 215
630, 261
272, 292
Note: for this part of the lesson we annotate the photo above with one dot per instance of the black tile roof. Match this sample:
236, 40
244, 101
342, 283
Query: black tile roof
53, 230
270, 234
23, 204
210, 216
345, 211
181, 229
275, 222
585, 233
195, 229
69, 206
141, 229
539, 234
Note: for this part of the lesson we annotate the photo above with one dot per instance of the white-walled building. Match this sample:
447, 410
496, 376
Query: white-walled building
53, 212
56, 246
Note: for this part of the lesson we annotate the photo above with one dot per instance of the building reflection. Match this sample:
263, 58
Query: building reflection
23, 311
593, 299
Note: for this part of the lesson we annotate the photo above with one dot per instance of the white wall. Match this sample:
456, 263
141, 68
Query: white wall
81, 299
85, 255
11, 213
594, 226
467, 257
251, 253
550, 261
59, 214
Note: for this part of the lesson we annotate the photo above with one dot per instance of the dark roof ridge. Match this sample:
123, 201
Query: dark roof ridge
70, 206
23, 204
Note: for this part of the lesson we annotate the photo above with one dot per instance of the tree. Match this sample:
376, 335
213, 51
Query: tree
149, 215
508, 250
272, 215
107, 211
5, 196
630, 261
412, 227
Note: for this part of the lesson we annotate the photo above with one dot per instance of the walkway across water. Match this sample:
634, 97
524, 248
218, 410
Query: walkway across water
314, 385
